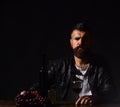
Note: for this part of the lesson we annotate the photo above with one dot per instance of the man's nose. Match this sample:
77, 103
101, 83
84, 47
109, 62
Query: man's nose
80, 42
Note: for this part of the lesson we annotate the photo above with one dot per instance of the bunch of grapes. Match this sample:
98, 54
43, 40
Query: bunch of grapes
31, 99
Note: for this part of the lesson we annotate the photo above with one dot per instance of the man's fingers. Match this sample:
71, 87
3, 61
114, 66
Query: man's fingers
88, 101
78, 101
84, 100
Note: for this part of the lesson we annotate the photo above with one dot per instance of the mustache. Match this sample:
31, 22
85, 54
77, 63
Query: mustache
79, 47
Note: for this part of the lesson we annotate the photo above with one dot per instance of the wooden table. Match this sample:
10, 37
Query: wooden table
5, 103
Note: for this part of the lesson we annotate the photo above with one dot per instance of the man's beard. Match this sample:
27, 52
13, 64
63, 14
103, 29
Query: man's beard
82, 53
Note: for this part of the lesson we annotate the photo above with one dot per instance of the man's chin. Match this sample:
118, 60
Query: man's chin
80, 57
81, 53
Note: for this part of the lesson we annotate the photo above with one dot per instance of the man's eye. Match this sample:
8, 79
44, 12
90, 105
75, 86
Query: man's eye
77, 38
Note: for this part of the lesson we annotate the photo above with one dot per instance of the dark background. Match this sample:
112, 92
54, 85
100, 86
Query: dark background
31, 28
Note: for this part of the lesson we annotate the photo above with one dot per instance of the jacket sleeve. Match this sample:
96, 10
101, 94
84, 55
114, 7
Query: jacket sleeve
106, 90
51, 74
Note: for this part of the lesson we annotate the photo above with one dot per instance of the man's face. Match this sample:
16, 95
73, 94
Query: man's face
80, 43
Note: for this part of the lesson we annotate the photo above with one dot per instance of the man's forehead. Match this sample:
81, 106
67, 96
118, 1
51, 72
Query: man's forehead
78, 33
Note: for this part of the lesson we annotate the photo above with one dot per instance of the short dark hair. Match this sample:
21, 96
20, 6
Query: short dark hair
85, 26
82, 26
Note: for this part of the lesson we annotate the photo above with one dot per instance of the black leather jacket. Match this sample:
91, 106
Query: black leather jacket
59, 75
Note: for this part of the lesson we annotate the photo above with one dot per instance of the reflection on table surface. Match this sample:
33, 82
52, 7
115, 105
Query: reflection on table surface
6, 103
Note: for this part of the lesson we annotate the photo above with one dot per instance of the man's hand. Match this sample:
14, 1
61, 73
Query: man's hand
84, 100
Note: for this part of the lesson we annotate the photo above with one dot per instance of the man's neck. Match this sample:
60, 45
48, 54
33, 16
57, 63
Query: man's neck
80, 62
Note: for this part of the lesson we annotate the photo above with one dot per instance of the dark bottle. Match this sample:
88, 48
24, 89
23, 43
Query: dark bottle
43, 77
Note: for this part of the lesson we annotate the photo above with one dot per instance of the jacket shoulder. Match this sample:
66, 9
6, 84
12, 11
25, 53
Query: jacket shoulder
99, 60
59, 61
